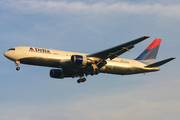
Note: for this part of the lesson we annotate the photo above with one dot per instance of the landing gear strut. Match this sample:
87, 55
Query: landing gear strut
17, 64
95, 72
81, 80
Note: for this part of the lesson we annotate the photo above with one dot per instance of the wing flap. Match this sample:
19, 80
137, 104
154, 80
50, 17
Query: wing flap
157, 64
123, 50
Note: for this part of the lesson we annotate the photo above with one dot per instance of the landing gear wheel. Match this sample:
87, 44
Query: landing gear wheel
84, 79
18, 68
79, 81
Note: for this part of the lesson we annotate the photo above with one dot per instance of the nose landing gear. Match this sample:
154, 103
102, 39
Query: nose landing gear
17, 64
18, 68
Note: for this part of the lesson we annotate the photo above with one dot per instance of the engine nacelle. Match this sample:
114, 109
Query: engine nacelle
58, 73
79, 60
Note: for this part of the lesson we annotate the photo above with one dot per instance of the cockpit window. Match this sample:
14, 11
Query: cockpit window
11, 49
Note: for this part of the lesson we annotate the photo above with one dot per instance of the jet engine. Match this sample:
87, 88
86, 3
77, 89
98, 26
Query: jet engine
58, 73
79, 60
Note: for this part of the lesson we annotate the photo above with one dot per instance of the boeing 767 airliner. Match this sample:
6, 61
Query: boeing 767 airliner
73, 64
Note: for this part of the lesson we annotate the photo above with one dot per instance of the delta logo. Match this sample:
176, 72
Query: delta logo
31, 49
39, 50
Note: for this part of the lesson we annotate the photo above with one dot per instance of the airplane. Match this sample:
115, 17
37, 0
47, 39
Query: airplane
73, 64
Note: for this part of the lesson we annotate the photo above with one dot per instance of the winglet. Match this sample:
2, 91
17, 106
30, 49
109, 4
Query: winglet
157, 64
146, 36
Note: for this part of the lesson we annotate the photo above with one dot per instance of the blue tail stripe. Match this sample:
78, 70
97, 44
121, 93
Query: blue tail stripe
148, 54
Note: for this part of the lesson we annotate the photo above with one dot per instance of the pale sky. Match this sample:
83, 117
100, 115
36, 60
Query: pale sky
88, 27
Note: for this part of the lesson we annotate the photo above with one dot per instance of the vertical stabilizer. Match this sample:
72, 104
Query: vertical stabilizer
148, 56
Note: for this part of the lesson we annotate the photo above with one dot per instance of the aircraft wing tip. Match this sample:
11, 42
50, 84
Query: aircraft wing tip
146, 36
173, 57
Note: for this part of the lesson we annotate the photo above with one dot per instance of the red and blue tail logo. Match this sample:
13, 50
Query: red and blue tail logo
149, 54
31, 49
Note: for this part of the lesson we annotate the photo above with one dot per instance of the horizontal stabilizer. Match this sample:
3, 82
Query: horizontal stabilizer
157, 64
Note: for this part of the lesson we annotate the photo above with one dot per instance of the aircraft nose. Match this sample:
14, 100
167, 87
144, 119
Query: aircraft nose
6, 54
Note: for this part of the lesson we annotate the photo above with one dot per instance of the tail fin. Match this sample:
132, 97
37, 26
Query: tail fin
148, 56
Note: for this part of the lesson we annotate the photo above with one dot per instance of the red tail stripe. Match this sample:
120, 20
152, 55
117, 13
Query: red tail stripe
154, 44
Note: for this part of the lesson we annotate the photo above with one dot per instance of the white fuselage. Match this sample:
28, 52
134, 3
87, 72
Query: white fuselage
61, 59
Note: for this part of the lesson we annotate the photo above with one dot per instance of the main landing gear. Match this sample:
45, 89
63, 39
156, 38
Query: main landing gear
17, 64
81, 80
95, 72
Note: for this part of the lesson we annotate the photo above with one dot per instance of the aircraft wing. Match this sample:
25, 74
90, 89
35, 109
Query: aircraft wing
117, 50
